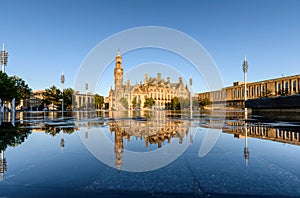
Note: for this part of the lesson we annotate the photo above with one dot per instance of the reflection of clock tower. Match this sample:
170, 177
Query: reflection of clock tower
119, 148
118, 72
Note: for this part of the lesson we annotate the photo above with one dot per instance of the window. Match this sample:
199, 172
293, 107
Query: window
278, 87
294, 86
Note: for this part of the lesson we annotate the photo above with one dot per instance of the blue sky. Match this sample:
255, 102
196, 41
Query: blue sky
46, 38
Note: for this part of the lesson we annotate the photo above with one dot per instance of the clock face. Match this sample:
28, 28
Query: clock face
119, 70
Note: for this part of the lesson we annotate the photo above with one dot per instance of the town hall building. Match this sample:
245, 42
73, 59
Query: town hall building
160, 90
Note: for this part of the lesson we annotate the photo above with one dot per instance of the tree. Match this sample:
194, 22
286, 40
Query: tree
149, 102
204, 102
22, 89
99, 100
124, 102
175, 103
52, 95
13, 87
68, 98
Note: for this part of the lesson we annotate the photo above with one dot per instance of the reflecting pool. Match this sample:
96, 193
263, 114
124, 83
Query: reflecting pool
149, 154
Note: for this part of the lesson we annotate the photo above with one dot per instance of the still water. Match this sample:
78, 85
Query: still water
154, 154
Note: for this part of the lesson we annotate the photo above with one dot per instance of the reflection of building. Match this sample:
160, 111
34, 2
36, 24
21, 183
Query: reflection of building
158, 89
152, 132
3, 167
261, 131
234, 95
119, 147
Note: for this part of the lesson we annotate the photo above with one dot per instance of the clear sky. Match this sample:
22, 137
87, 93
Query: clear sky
46, 38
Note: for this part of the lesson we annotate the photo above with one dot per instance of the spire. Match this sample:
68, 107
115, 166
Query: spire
119, 53
3, 48
245, 59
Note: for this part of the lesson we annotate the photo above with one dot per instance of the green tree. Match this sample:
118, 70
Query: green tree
68, 98
175, 103
204, 102
13, 87
99, 100
149, 102
22, 89
52, 95
134, 103
124, 102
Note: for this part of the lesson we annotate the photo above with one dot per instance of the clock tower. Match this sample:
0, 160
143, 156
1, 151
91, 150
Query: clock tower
118, 72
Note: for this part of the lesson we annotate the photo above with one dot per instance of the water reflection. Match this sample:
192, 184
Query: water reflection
154, 133
246, 149
285, 133
158, 128
10, 135
3, 167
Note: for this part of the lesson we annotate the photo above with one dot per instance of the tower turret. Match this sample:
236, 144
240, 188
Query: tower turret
118, 72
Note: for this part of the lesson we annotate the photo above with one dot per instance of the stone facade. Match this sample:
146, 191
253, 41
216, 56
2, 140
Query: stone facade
34, 101
160, 90
234, 95
80, 100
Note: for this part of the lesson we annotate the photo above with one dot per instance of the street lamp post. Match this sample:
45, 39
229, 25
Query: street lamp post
3, 58
245, 69
62, 80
